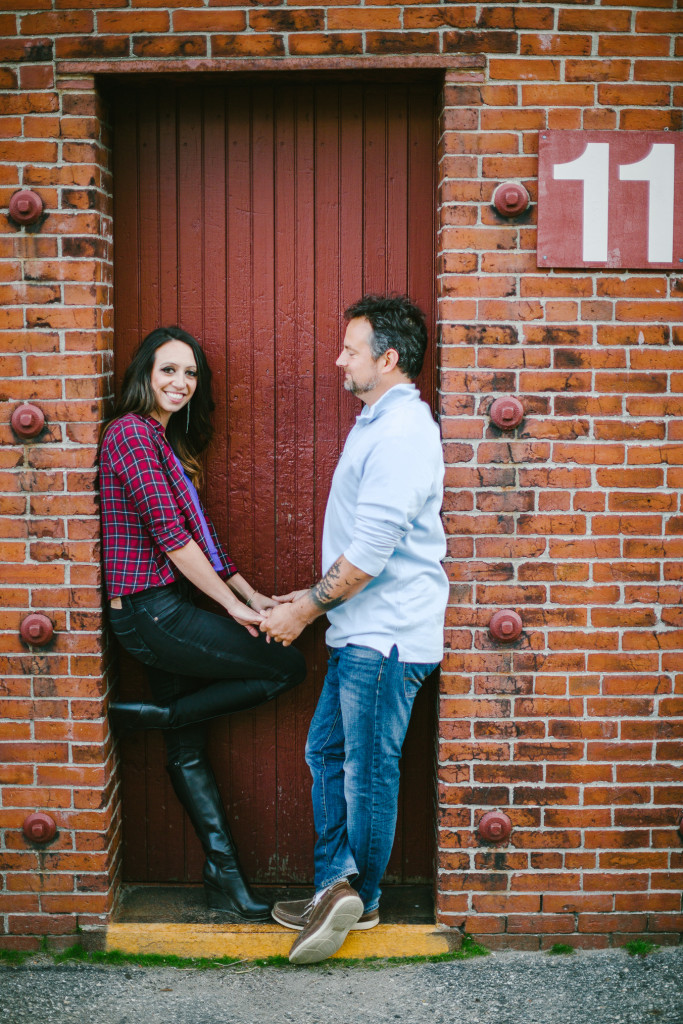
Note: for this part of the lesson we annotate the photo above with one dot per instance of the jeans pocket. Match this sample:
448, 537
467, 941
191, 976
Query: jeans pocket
414, 674
131, 641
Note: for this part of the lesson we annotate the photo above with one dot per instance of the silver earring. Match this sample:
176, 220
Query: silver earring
187, 424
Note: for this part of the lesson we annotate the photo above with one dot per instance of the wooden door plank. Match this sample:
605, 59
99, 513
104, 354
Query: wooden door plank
167, 253
375, 191
149, 304
396, 191
215, 299
294, 240
422, 221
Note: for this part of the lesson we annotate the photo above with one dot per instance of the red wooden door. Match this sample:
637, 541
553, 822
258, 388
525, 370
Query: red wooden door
251, 215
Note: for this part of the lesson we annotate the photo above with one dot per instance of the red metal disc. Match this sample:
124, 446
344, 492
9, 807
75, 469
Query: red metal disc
25, 207
507, 412
36, 629
27, 420
40, 827
495, 827
511, 198
505, 625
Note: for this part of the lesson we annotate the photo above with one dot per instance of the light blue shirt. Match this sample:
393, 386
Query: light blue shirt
383, 514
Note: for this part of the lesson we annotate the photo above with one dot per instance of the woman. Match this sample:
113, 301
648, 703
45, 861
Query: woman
157, 543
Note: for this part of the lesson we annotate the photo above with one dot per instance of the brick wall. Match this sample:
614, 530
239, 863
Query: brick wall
55, 751
575, 519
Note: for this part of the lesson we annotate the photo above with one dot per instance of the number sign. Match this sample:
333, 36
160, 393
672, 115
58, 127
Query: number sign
610, 199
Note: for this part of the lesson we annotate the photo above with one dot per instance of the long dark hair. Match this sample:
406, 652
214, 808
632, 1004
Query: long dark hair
187, 441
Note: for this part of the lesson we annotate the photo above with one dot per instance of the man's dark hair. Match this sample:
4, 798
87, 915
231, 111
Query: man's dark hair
396, 323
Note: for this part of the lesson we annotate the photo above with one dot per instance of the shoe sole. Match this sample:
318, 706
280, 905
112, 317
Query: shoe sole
359, 926
331, 933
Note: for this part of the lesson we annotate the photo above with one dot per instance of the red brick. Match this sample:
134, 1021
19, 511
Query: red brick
593, 20
378, 18
170, 46
548, 44
134, 22
480, 42
54, 23
525, 70
658, 71
302, 20
643, 46
306, 44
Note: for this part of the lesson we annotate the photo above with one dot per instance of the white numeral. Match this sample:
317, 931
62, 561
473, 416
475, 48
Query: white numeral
657, 168
592, 168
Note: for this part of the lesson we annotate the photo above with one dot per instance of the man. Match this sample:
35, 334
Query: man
384, 592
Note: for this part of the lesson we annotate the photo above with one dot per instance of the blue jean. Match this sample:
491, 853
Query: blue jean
353, 750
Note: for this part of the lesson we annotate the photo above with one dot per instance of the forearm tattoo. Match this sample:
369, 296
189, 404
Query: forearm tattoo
322, 594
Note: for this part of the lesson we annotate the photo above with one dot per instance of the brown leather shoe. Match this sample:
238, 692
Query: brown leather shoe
332, 916
294, 914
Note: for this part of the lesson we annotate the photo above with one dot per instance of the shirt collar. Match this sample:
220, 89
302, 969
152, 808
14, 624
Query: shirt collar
396, 394
159, 427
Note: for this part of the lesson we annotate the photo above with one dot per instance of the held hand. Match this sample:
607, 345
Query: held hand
261, 603
285, 598
248, 617
283, 623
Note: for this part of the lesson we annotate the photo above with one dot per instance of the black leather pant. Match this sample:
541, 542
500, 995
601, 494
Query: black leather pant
202, 664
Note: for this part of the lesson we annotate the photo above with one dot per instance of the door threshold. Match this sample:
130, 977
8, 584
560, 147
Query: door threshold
173, 920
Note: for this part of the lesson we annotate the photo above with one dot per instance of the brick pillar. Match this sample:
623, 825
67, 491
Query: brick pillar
55, 747
573, 519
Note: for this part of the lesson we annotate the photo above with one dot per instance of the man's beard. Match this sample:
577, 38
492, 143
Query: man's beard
360, 388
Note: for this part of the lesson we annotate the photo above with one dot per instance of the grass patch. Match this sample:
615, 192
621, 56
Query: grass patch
468, 950
640, 947
561, 949
116, 958
14, 957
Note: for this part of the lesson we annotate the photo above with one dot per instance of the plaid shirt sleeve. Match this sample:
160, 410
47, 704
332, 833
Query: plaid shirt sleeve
147, 487
147, 510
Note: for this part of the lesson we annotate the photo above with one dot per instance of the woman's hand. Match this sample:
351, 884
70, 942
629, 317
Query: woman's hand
247, 617
284, 598
261, 603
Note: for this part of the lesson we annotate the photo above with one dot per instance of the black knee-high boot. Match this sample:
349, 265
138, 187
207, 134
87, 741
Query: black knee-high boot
225, 886
215, 700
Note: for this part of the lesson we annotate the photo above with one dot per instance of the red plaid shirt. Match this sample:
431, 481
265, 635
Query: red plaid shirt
147, 508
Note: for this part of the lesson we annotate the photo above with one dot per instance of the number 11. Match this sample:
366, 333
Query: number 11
592, 167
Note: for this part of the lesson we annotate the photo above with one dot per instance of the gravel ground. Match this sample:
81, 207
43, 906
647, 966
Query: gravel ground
606, 987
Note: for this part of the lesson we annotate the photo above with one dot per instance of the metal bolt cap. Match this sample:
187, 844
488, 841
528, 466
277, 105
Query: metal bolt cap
494, 827
36, 629
25, 207
507, 412
40, 827
27, 421
511, 198
505, 625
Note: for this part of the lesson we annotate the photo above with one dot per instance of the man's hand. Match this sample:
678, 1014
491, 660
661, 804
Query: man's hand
286, 621
341, 581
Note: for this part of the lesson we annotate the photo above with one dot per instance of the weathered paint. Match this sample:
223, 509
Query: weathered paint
253, 941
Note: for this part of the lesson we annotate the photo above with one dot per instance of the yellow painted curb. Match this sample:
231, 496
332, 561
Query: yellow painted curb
253, 941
